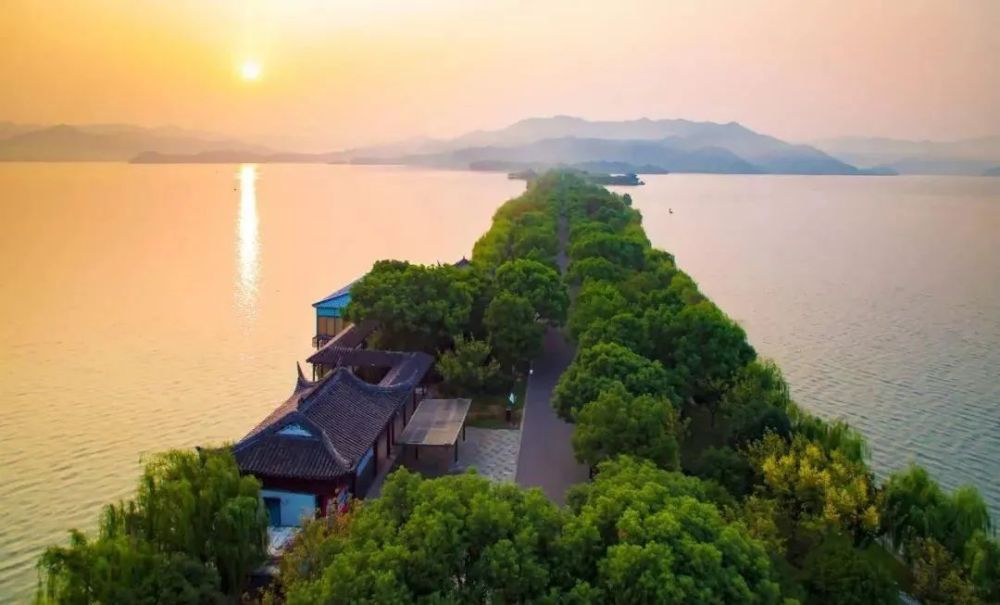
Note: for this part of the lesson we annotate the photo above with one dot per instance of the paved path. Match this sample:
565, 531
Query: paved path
492, 452
546, 459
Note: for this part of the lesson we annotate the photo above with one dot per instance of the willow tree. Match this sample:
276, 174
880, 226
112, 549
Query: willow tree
195, 527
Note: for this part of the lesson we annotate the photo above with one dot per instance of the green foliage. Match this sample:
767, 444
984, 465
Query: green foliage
540, 284
594, 268
644, 535
703, 345
728, 468
515, 334
194, 531
619, 423
816, 488
916, 507
982, 558
624, 328
468, 369
938, 579
452, 539
836, 573
756, 403
418, 307
627, 252
601, 367
596, 301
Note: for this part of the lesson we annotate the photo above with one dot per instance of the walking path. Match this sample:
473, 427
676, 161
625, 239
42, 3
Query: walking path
546, 459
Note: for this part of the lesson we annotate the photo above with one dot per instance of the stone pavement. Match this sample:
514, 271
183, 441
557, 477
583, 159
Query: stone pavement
492, 452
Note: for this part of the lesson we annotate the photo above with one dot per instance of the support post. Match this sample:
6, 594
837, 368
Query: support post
463, 431
456, 450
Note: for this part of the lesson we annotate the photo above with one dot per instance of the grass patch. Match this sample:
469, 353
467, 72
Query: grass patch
490, 411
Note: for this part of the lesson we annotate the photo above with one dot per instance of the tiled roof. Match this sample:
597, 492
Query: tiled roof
350, 337
343, 413
404, 367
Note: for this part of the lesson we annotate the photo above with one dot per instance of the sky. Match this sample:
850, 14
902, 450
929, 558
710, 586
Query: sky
338, 73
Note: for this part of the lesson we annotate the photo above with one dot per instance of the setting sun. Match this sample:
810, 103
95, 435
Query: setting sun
250, 70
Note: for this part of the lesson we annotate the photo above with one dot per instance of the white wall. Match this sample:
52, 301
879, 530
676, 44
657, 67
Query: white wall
294, 505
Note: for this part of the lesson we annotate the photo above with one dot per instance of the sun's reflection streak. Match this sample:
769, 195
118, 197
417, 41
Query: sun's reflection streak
247, 244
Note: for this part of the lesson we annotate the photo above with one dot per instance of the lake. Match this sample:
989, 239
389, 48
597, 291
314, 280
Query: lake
150, 307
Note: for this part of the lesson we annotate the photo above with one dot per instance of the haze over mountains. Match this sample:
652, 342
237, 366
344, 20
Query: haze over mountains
642, 145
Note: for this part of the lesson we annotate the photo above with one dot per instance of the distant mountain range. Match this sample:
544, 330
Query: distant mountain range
633, 145
643, 146
972, 157
106, 142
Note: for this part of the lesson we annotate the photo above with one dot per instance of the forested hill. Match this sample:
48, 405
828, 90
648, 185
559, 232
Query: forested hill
711, 484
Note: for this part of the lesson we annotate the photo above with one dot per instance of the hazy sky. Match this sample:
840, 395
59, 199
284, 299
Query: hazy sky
337, 72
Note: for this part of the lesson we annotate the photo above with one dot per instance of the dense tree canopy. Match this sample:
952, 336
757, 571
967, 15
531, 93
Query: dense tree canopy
817, 488
917, 508
702, 344
468, 369
455, 539
540, 284
599, 368
193, 533
644, 535
837, 573
418, 307
618, 422
596, 301
515, 334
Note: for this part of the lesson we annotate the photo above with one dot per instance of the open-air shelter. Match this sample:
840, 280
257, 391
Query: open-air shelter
436, 423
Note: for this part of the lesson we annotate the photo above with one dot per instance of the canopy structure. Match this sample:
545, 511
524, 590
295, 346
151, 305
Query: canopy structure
436, 422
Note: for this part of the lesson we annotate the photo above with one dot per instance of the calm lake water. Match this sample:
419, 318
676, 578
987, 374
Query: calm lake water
149, 307
878, 297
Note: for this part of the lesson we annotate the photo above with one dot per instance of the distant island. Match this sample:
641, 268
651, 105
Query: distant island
995, 171
629, 180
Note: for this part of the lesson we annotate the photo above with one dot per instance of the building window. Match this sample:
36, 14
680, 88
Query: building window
273, 506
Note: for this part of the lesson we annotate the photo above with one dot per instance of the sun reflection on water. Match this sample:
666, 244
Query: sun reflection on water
247, 244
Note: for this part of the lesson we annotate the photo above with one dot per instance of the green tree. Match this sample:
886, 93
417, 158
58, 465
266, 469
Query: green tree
514, 332
756, 403
982, 558
837, 573
191, 508
916, 507
540, 284
417, 307
595, 268
596, 301
705, 346
624, 328
644, 535
938, 579
468, 368
628, 252
619, 423
600, 367
815, 488
453, 539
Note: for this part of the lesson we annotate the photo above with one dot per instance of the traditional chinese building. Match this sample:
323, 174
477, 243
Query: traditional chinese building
323, 444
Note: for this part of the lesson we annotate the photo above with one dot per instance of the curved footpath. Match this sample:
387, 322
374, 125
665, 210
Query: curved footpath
546, 457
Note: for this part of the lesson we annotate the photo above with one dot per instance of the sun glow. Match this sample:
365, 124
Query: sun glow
250, 70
